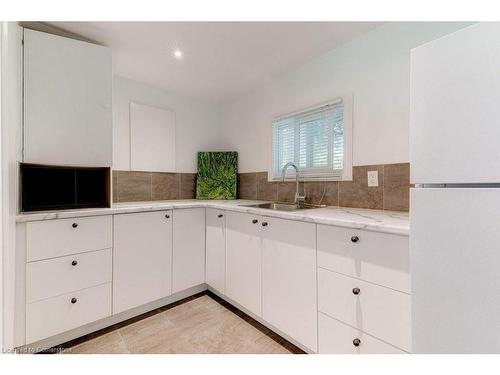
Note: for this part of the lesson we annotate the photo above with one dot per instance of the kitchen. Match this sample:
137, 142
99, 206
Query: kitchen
213, 196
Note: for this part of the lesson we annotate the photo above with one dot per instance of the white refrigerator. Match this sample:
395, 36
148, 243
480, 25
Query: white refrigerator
455, 205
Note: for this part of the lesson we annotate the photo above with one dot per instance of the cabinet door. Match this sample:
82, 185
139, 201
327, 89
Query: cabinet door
67, 101
216, 249
289, 279
243, 260
188, 248
142, 258
454, 111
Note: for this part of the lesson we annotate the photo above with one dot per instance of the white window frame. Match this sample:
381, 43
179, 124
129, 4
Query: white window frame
346, 173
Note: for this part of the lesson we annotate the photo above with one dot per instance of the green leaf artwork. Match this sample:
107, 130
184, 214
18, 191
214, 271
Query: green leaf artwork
217, 175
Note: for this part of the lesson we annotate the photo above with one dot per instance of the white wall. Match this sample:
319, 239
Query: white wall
374, 67
197, 123
11, 115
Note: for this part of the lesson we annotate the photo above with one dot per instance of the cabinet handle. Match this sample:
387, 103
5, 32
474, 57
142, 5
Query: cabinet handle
264, 224
255, 221
354, 239
356, 291
73, 300
167, 216
356, 342
74, 225
219, 215
74, 263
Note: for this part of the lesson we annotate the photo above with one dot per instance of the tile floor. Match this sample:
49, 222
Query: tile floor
201, 325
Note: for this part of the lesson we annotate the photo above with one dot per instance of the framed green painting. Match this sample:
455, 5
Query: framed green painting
217, 175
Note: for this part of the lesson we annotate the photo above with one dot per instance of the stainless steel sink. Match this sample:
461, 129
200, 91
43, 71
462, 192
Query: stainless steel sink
278, 206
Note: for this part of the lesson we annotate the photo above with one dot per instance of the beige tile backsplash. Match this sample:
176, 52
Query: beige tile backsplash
130, 186
391, 194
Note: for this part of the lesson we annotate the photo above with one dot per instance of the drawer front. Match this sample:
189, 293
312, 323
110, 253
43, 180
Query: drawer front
378, 311
376, 257
53, 277
338, 338
58, 314
55, 238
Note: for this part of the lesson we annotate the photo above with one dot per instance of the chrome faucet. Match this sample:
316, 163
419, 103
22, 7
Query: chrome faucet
298, 198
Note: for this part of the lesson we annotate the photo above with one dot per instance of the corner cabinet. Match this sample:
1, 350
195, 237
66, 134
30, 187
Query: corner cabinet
271, 271
67, 101
188, 261
142, 258
216, 249
244, 260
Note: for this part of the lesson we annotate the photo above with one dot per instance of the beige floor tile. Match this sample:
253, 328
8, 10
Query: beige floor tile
201, 325
109, 343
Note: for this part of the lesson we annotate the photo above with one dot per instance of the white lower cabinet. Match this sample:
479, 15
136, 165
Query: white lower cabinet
339, 338
289, 279
216, 249
53, 277
328, 289
142, 258
244, 260
378, 311
188, 248
59, 314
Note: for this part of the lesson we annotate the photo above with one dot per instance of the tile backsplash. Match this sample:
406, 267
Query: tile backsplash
130, 186
391, 194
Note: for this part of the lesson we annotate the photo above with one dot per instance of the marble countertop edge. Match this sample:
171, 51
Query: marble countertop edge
391, 222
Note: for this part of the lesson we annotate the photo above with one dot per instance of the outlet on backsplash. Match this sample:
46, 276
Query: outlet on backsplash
372, 178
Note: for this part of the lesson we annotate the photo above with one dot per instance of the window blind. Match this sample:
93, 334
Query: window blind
313, 140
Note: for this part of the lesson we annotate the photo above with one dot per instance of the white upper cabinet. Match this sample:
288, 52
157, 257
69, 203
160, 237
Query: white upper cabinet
67, 101
455, 111
152, 139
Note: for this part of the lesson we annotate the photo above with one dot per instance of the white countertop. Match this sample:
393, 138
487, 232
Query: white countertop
374, 220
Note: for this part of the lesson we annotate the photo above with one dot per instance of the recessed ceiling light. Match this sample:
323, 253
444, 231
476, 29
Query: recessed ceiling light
178, 54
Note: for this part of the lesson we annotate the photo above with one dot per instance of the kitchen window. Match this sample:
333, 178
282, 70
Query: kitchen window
318, 140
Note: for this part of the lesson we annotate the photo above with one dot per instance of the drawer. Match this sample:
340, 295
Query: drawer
376, 257
55, 238
52, 277
378, 311
338, 338
58, 314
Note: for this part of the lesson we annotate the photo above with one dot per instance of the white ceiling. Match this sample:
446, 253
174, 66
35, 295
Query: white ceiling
222, 60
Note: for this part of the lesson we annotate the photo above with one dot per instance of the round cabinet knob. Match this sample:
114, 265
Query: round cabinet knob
356, 342
264, 224
167, 216
73, 300
74, 225
354, 239
74, 263
356, 291
255, 221
219, 215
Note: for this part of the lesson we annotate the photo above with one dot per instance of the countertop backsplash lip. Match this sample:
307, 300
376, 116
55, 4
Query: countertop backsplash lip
392, 222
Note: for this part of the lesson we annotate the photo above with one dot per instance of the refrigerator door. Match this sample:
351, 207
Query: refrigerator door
455, 270
455, 107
